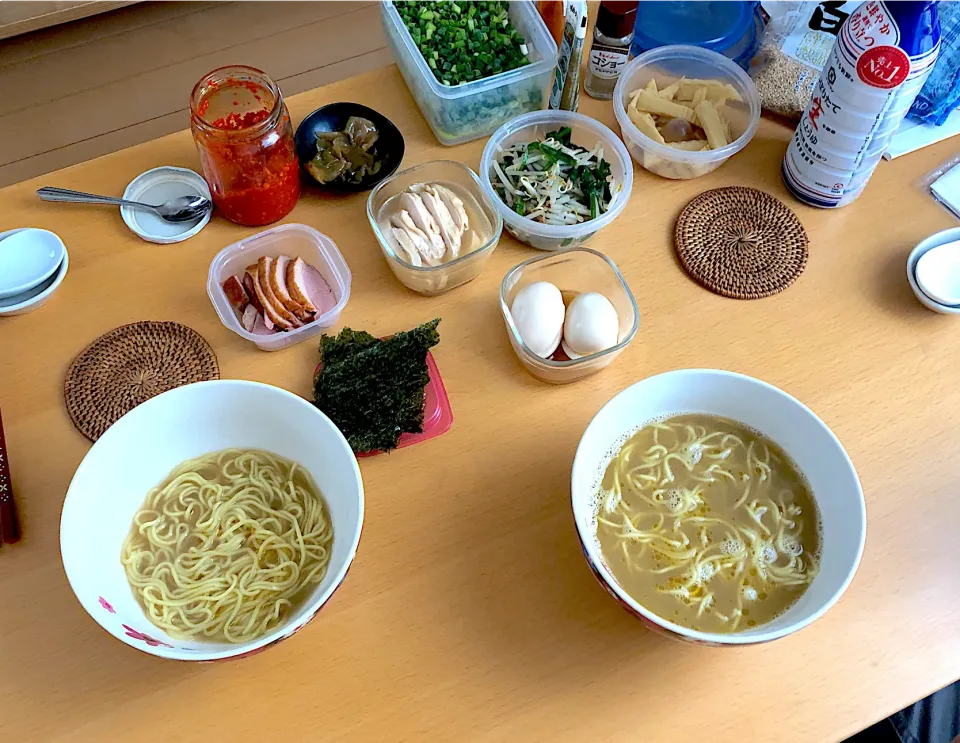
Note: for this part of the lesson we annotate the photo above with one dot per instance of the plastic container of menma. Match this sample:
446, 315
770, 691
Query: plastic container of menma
460, 113
731, 28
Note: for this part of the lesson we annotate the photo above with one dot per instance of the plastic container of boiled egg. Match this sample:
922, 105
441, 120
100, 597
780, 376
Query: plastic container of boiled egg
574, 272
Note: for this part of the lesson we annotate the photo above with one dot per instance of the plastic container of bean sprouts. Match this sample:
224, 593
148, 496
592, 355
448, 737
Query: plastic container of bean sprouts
585, 132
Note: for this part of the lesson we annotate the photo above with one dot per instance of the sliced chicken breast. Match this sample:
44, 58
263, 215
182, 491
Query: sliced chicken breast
405, 247
430, 253
422, 217
453, 203
449, 232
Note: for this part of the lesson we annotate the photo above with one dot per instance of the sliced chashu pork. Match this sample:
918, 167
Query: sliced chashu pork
272, 307
236, 294
249, 318
430, 254
250, 284
297, 284
279, 287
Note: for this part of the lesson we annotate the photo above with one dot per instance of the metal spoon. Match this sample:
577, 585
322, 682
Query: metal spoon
180, 209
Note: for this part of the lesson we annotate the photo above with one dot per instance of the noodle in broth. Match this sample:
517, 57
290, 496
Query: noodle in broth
708, 524
227, 545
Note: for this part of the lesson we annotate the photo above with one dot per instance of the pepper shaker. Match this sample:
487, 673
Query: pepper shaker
611, 45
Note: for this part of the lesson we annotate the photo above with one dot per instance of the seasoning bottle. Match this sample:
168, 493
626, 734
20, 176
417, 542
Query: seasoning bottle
565, 93
611, 44
880, 60
553, 14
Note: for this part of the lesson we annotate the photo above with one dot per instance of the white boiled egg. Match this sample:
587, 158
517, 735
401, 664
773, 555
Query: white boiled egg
591, 325
537, 313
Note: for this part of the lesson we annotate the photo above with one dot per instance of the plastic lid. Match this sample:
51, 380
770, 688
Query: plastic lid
154, 187
715, 25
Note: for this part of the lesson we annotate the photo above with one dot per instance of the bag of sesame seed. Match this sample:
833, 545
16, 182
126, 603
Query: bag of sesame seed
798, 39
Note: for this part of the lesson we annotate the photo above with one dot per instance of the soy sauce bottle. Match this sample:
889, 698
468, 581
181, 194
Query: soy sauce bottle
880, 60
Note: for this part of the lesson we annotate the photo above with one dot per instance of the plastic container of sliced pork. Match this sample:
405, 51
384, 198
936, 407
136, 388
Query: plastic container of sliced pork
328, 286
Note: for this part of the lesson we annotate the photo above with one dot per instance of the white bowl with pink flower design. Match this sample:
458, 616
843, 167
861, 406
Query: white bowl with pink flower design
138, 451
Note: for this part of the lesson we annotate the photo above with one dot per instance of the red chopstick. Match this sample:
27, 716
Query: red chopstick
9, 528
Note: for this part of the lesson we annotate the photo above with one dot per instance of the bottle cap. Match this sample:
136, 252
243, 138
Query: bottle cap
615, 18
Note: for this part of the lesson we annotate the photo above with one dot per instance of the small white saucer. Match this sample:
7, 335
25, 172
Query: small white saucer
154, 187
28, 260
28, 301
941, 238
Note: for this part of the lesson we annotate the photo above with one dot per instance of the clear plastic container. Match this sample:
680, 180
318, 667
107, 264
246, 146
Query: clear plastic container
294, 240
665, 66
733, 29
585, 132
432, 280
460, 113
573, 271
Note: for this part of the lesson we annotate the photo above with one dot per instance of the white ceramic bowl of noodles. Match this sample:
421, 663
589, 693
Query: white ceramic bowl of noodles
138, 451
802, 435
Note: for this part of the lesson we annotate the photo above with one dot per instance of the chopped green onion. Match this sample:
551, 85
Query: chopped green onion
486, 45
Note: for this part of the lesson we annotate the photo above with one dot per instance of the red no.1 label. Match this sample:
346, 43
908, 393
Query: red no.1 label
883, 67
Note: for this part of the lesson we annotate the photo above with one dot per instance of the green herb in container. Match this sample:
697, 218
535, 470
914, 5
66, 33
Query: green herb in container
464, 41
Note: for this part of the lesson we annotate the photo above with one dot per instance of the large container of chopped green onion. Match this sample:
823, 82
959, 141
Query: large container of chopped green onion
471, 66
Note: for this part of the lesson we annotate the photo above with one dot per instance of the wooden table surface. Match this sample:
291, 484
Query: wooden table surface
470, 613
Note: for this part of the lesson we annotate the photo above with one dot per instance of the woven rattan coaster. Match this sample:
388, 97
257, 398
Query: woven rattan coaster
741, 243
128, 366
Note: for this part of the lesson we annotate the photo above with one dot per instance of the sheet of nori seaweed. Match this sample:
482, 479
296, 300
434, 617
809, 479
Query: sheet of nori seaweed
373, 390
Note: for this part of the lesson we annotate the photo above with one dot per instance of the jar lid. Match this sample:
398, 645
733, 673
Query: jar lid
154, 187
715, 25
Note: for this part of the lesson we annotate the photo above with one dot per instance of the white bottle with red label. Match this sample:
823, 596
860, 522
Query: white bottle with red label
881, 58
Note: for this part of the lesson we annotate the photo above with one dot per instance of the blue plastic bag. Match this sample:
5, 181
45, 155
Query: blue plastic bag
940, 95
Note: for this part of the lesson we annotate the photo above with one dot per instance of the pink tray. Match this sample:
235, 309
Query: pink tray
437, 413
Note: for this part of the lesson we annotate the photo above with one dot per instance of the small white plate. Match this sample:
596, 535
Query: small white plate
941, 238
30, 262
154, 187
21, 304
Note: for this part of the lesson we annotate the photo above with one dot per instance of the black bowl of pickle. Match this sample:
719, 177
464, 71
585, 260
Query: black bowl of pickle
348, 147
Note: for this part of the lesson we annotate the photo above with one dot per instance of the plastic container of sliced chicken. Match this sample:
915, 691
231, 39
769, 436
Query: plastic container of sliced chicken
280, 286
447, 240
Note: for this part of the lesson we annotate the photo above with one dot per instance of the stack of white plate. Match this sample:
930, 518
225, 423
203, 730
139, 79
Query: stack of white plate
33, 262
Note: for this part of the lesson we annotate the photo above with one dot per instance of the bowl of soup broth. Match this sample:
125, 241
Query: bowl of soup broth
717, 508
212, 521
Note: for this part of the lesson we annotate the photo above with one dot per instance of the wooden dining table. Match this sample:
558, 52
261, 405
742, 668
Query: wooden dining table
470, 613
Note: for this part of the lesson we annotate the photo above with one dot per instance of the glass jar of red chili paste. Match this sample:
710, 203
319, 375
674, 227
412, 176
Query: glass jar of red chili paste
245, 139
